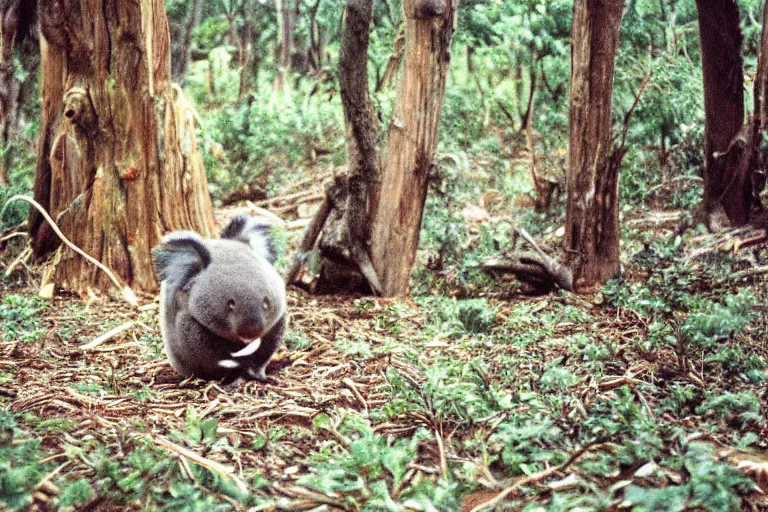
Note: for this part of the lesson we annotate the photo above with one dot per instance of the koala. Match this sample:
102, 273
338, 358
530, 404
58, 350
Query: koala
222, 303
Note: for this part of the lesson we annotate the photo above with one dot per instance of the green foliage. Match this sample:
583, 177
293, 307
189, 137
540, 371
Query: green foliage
713, 486
457, 317
452, 391
711, 322
264, 140
12, 214
368, 471
20, 469
76, 493
20, 315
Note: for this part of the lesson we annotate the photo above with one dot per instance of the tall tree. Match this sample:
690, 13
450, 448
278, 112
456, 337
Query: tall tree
371, 219
121, 166
398, 205
760, 162
592, 215
18, 41
285, 26
181, 39
727, 184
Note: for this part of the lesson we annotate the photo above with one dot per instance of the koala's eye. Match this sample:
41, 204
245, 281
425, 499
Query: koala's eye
266, 305
231, 304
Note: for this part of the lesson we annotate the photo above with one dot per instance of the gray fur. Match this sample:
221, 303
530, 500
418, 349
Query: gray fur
217, 296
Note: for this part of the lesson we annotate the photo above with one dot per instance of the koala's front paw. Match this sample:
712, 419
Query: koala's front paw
258, 374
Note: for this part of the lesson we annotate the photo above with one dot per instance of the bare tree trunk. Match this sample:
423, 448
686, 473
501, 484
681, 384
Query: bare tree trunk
727, 187
349, 238
285, 23
315, 40
122, 166
761, 80
398, 204
18, 27
245, 57
370, 221
531, 95
759, 163
592, 216
182, 44
394, 63
342, 222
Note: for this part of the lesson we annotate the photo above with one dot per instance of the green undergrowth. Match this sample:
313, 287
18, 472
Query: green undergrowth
644, 383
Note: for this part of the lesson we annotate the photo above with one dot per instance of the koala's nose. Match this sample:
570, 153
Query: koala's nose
251, 329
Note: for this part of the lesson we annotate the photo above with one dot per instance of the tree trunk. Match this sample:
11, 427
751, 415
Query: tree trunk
342, 222
761, 80
760, 151
315, 40
369, 222
526, 121
285, 24
393, 64
727, 187
592, 215
398, 204
245, 56
182, 45
122, 166
18, 28
345, 241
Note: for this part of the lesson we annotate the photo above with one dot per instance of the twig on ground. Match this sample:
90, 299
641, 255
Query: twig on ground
107, 335
541, 475
750, 272
202, 461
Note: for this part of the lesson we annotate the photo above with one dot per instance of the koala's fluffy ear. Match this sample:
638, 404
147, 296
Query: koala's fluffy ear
181, 255
254, 232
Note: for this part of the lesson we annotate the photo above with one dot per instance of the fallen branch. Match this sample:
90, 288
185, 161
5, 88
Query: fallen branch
128, 294
262, 212
305, 196
202, 461
534, 268
107, 335
673, 180
750, 272
21, 259
541, 475
543, 273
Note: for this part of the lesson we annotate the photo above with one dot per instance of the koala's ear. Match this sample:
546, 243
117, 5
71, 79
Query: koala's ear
254, 232
181, 255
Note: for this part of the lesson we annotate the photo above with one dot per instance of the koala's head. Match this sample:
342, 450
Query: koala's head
232, 290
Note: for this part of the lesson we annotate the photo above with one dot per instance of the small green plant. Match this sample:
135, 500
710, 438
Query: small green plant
476, 316
370, 471
20, 469
20, 315
713, 486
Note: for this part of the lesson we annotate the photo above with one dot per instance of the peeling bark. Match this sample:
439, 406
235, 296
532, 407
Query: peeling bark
120, 167
397, 205
591, 246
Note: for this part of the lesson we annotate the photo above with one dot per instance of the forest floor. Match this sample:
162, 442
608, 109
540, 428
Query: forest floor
648, 394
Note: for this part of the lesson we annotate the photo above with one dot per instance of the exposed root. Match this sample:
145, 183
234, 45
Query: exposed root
128, 294
536, 269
